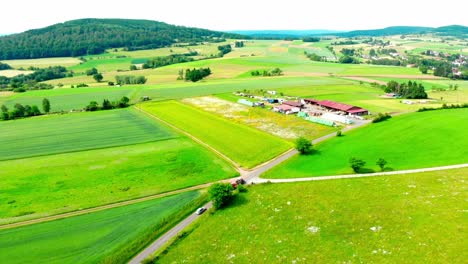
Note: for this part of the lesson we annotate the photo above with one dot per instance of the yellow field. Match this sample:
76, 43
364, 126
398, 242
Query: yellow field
13, 73
42, 63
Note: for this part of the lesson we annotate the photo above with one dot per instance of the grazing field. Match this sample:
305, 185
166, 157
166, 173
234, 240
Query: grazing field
42, 63
283, 126
108, 236
244, 145
414, 218
67, 99
74, 132
53, 184
417, 140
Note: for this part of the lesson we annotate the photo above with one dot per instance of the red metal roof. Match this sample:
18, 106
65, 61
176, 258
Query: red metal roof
310, 100
284, 107
357, 110
338, 106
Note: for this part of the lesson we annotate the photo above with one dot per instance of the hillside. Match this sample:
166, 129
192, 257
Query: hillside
274, 34
94, 36
454, 30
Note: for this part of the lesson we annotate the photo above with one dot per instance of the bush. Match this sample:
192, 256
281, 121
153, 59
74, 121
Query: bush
303, 145
82, 85
381, 117
338, 133
19, 90
241, 188
356, 164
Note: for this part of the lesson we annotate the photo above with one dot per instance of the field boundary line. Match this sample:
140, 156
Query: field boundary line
235, 164
362, 175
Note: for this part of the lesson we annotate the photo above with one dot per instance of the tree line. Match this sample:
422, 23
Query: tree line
410, 90
107, 104
4, 66
94, 36
266, 73
32, 81
168, 60
195, 75
22, 111
130, 79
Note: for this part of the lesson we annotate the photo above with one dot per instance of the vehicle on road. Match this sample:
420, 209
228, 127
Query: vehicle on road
200, 210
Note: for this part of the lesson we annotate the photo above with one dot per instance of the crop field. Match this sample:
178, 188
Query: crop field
68, 99
283, 126
46, 185
42, 63
417, 140
107, 236
13, 73
414, 218
244, 145
74, 132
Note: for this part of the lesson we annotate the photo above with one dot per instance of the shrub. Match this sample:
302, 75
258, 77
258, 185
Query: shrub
356, 164
221, 194
381, 117
303, 145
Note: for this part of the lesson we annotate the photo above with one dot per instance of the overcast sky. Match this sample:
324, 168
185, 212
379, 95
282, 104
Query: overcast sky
21, 15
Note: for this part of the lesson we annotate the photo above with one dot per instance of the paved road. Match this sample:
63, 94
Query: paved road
161, 241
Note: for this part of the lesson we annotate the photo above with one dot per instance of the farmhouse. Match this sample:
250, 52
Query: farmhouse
286, 109
335, 106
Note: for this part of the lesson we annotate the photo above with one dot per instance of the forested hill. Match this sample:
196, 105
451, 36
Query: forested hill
454, 30
94, 36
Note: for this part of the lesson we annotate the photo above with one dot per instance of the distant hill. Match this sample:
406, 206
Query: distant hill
454, 30
94, 36
284, 33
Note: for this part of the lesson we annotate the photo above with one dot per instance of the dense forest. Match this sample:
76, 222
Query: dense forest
94, 36
455, 30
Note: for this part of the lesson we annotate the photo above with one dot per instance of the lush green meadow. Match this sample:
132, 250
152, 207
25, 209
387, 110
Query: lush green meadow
244, 145
418, 140
110, 236
414, 218
53, 184
80, 131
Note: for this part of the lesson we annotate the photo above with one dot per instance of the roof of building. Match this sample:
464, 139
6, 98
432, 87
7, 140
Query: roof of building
284, 107
338, 106
293, 103
357, 110
310, 100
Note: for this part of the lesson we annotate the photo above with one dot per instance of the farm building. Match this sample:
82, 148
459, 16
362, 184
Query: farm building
335, 106
245, 102
286, 109
297, 104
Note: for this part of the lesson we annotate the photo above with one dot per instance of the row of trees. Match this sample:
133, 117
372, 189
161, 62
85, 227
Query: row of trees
4, 66
21, 111
315, 57
167, 60
31, 81
130, 79
107, 105
224, 49
95, 73
357, 164
195, 75
410, 90
266, 73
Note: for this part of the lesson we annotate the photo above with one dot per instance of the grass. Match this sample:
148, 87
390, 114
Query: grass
40, 186
108, 236
74, 132
42, 63
418, 140
289, 127
417, 218
68, 99
246, 146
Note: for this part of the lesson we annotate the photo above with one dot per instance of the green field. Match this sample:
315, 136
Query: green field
414, 218
74, 132
418, 140
246, 146
110, 236
53, 184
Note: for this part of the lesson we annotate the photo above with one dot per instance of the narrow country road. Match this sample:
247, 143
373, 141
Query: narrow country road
161, 241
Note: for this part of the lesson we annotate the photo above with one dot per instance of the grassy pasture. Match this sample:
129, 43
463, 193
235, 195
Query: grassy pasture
414, 218
67, 99
74, 132
417, 140
108, 236
46, 185
244, 145
42, 63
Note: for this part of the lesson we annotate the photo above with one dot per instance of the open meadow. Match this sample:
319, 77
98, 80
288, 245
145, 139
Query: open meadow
414, 218
53, 134
417, 140
109, 236
244, 145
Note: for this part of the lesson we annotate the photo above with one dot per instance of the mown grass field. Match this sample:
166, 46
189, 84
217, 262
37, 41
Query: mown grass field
13, 73
289, 127
414, 218
244, 145
80, 131
108, 236
417, 140
68, 99
42, 63
53, 184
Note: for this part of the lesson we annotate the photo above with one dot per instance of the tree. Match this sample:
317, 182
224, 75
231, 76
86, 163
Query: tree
92, 71
124, 102
98, 77
303, 145
133, 67
106, 105
423, 69
4, 109
221, 194
35, 110
45, 105
372, 53
92, 106
356, 164
381, 163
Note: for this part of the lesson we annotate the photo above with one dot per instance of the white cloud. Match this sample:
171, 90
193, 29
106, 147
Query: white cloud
20, 15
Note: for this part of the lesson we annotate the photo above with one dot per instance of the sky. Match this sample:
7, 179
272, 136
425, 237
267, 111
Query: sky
20, 15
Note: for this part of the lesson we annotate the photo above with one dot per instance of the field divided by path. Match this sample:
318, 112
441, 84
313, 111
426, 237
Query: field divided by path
246, 146
418, 218
418, 140
112, 235
74, 132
